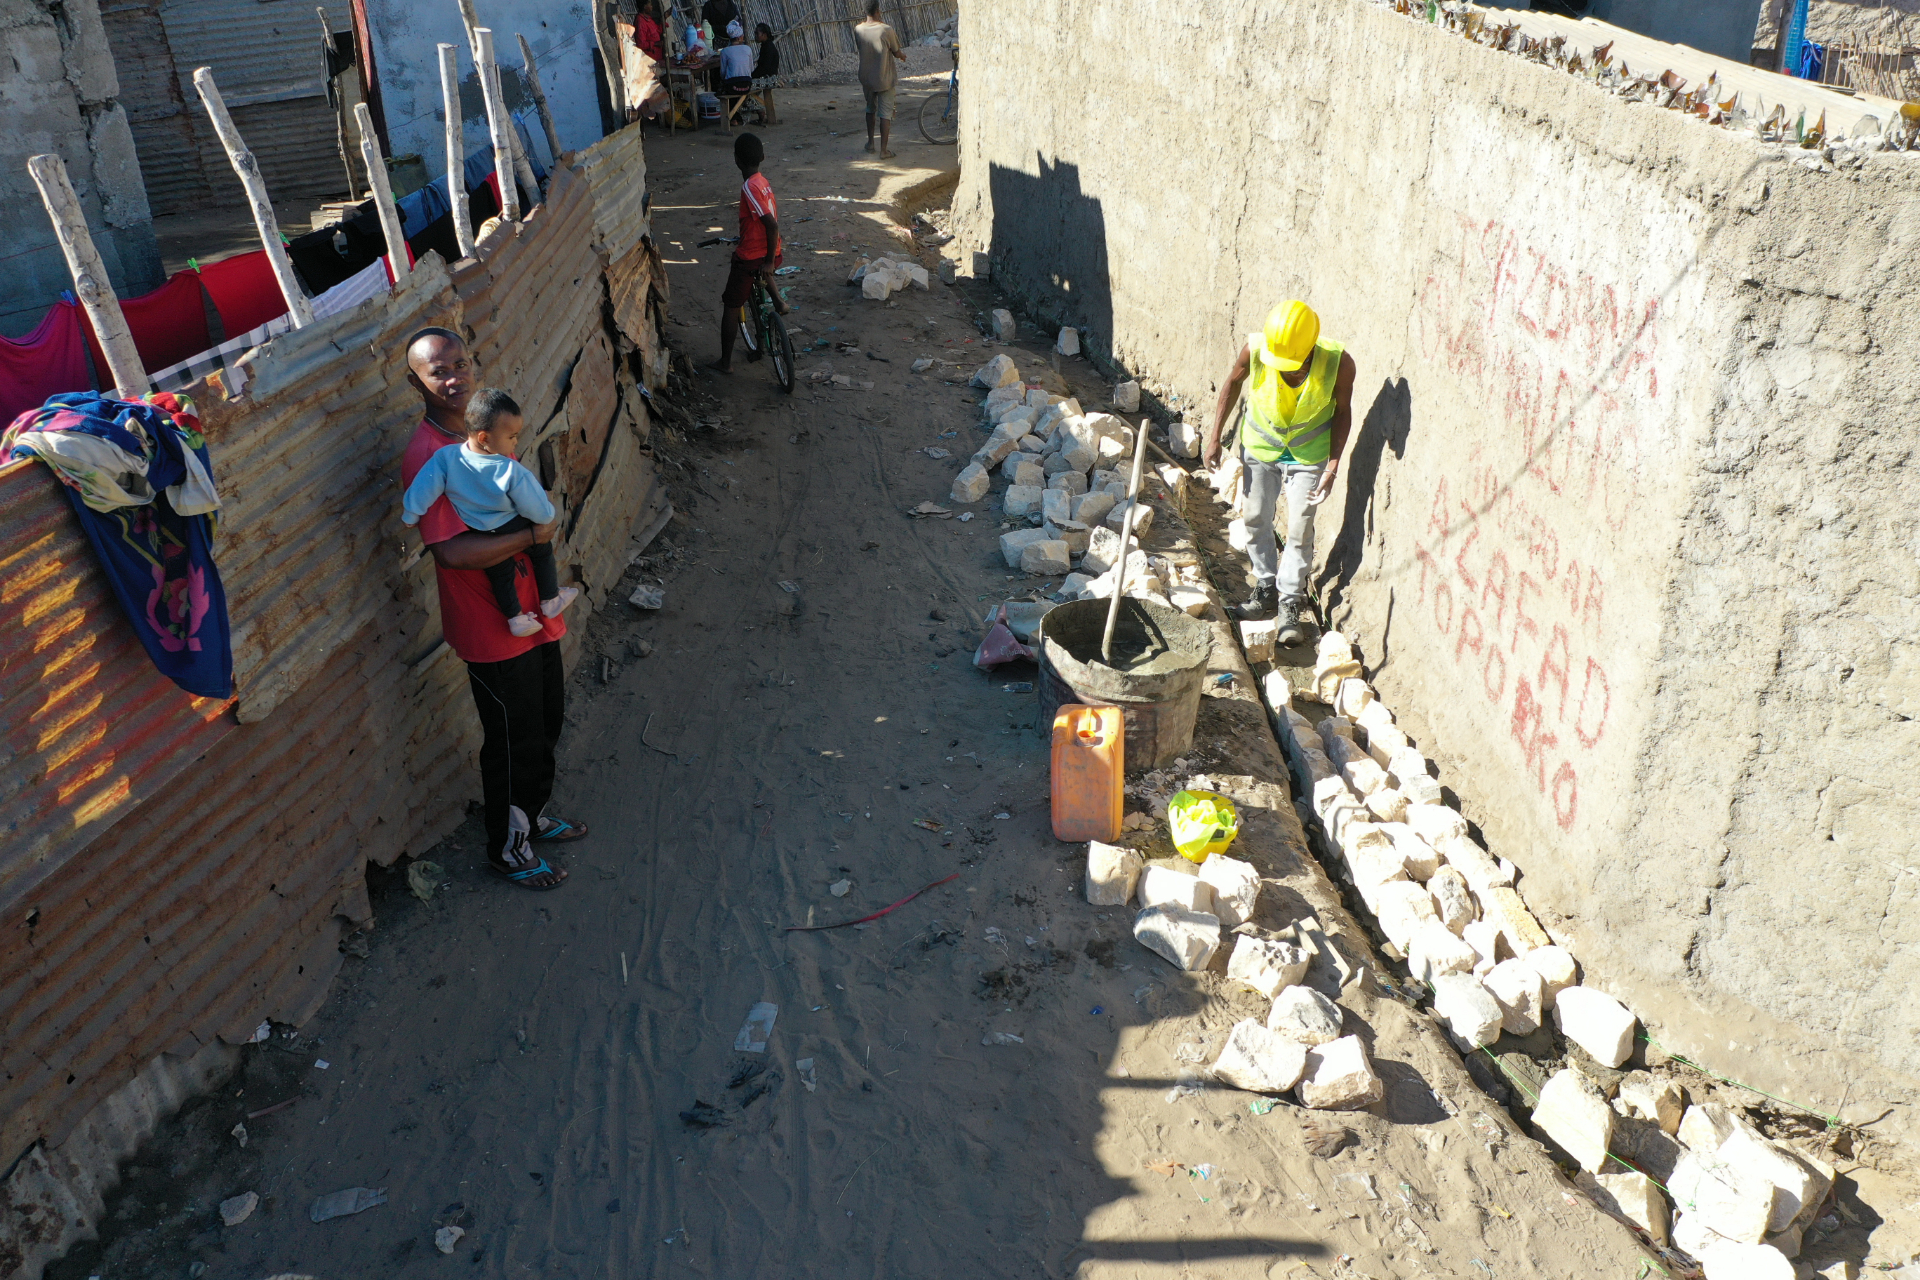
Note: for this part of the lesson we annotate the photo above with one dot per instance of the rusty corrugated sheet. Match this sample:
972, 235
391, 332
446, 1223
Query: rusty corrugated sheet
156, 108
616, 169
216, 900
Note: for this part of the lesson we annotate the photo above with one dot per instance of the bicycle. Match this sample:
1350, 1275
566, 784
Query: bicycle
767, 335
940, 112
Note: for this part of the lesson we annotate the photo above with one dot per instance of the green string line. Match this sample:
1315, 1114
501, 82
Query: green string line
1833, 1122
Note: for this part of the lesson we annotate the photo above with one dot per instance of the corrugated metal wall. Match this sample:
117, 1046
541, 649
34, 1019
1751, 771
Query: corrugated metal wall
267, 61
215, 898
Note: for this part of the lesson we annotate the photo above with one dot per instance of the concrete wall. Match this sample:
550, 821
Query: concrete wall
58, 93
1624, 522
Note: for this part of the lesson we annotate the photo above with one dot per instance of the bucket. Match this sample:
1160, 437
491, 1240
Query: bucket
709, 106
1161, 655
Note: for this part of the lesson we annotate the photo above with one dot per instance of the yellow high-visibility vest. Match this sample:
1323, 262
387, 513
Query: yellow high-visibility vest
1298, 420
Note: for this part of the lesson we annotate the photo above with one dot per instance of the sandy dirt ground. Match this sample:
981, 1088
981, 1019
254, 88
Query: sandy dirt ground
518, 1064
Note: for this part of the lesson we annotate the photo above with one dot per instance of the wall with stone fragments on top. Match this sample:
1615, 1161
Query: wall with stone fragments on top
1623, 514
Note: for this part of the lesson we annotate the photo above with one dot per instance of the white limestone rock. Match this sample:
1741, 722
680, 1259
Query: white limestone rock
971, 484
1420, 788
1556, 968
1453, 899
1437, 951
1597, 1023
1023, 468
1335, 726
1484, 938
1014, 545
1516, 986
1728, 1260
1074, 586
1168, 886
1068, 343
1385, 744
1142, 520
1723, 1198
1259, 1060
1469, 1011
1482, 870
1003, 324
1112, 872
1022, 500
997, 372
1126, 396
1339, 1077
1386, 804
1092, 508
1056, 505
1070, 532
1704, 1126
1186, 439
1436, 822
1517, 925
1422, 862
1303, 1014
1071, 483
1257, 639
1573, 1114
1185, 939
1797, 1184
1402, 908
1330, 789
1193, 601
1236, 889
1071, 456
1352, 696
1632, 1196
1374, 716
1267, 965
1364, 776
1648, 1097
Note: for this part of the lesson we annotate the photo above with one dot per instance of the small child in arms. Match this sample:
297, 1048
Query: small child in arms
492, 493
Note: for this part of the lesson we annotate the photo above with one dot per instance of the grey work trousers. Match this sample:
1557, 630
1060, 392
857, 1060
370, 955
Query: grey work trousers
1265, 484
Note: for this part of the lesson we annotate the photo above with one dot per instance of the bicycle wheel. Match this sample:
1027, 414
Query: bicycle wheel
752, 338
780, 347
940, 116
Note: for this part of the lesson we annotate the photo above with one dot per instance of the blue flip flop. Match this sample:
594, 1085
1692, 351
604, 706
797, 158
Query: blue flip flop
525, 874
561, 831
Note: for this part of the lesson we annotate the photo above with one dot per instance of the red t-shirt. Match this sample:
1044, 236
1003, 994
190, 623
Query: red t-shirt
469, 617
756, 202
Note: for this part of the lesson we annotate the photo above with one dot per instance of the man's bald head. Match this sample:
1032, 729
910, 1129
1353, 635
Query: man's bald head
441, 371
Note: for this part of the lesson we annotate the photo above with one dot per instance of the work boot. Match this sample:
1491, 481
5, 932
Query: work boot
1292, 630
1259, 605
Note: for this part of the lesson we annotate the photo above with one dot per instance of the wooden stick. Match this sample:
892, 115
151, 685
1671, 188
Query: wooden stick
497, 125
518, 153
456, 150
90, 281
339, 121
1126, 533
247, 169
540, 99
610, 61
390, 228
471, 21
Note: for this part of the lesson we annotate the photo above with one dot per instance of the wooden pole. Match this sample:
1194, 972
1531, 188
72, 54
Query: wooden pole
456, 150
1126, 534
395, 235
497, 125
90, 282
471, 21
610, 60
540, 99
248, 171
339, 121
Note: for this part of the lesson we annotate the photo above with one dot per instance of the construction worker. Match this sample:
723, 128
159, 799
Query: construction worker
1299, 410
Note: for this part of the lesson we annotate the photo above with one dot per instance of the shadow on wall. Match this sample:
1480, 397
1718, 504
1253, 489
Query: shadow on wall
1044, 223
1388, 422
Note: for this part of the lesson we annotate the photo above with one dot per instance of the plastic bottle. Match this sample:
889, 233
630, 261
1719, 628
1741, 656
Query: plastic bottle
1089, 769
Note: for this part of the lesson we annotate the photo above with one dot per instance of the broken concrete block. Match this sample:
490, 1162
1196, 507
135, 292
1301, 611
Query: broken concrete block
1168, 886
1142, 519
1257, 639
1453, 899
1597, 1023
1047, 558
1385, 804
1469, 1011
1259, 1060
1303, 1014
1236, 889
1631, 1196
1476, 864
1055, 505
1068, 343
971, 484
1126, 396
1437, 951
1093, 508
1014, 545
1403, 907
1003, 324
1572, 1113
1517, 925
1186, 439
1339, 1077
1193, 601
1112, 872
1070, 532
1704, 1126
1364, 776
1072, 483
1267, 965
1352, 695
1436, 822
1022, 500
1556, 969
1797, 1184
1515, 985
1647, 1097
1728, 1260
1185, 939
1722, 1198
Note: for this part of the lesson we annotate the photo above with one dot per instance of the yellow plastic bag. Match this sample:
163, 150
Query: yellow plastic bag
1203, 823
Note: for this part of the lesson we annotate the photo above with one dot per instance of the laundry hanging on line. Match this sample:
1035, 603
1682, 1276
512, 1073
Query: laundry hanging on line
46, 362
168, 325
244, 291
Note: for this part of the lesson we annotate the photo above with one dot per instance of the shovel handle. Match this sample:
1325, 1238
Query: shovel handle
1126, 536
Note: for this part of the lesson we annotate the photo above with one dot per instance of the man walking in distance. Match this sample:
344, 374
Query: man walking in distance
879, 46
1299, 409
519, 687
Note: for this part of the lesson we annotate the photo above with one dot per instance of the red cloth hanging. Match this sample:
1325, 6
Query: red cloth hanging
244, 292
47, 362
168, 325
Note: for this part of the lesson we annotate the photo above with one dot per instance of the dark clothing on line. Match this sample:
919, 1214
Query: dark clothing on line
546, 578
522, 704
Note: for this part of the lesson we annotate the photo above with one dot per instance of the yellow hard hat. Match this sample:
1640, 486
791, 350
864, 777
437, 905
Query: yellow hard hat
1292, 329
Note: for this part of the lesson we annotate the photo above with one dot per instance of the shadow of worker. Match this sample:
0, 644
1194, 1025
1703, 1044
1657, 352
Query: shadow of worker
1389, 419
1049, 247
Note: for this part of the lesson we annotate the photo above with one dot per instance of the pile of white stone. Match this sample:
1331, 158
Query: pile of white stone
1450, 909
1067, 485
881, 278
1301, 1045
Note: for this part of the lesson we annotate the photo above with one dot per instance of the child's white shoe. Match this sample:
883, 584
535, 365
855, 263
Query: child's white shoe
524, 624
566, 597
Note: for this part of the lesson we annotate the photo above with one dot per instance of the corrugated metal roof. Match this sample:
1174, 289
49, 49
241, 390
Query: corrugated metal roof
215, 901
616, 169
253, 47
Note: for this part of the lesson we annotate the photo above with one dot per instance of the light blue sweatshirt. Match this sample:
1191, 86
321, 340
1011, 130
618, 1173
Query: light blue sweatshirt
486, 489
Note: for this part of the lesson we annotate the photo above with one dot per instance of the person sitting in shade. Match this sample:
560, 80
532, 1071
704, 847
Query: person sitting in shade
766, 68
736, 65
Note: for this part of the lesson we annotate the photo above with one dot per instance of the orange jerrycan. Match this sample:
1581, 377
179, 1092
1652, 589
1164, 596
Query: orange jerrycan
1089, 767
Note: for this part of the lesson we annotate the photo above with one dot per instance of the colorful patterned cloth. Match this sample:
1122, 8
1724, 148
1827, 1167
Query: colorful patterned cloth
137, 474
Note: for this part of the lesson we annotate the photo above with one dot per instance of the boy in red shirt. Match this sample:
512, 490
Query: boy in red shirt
759, 250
